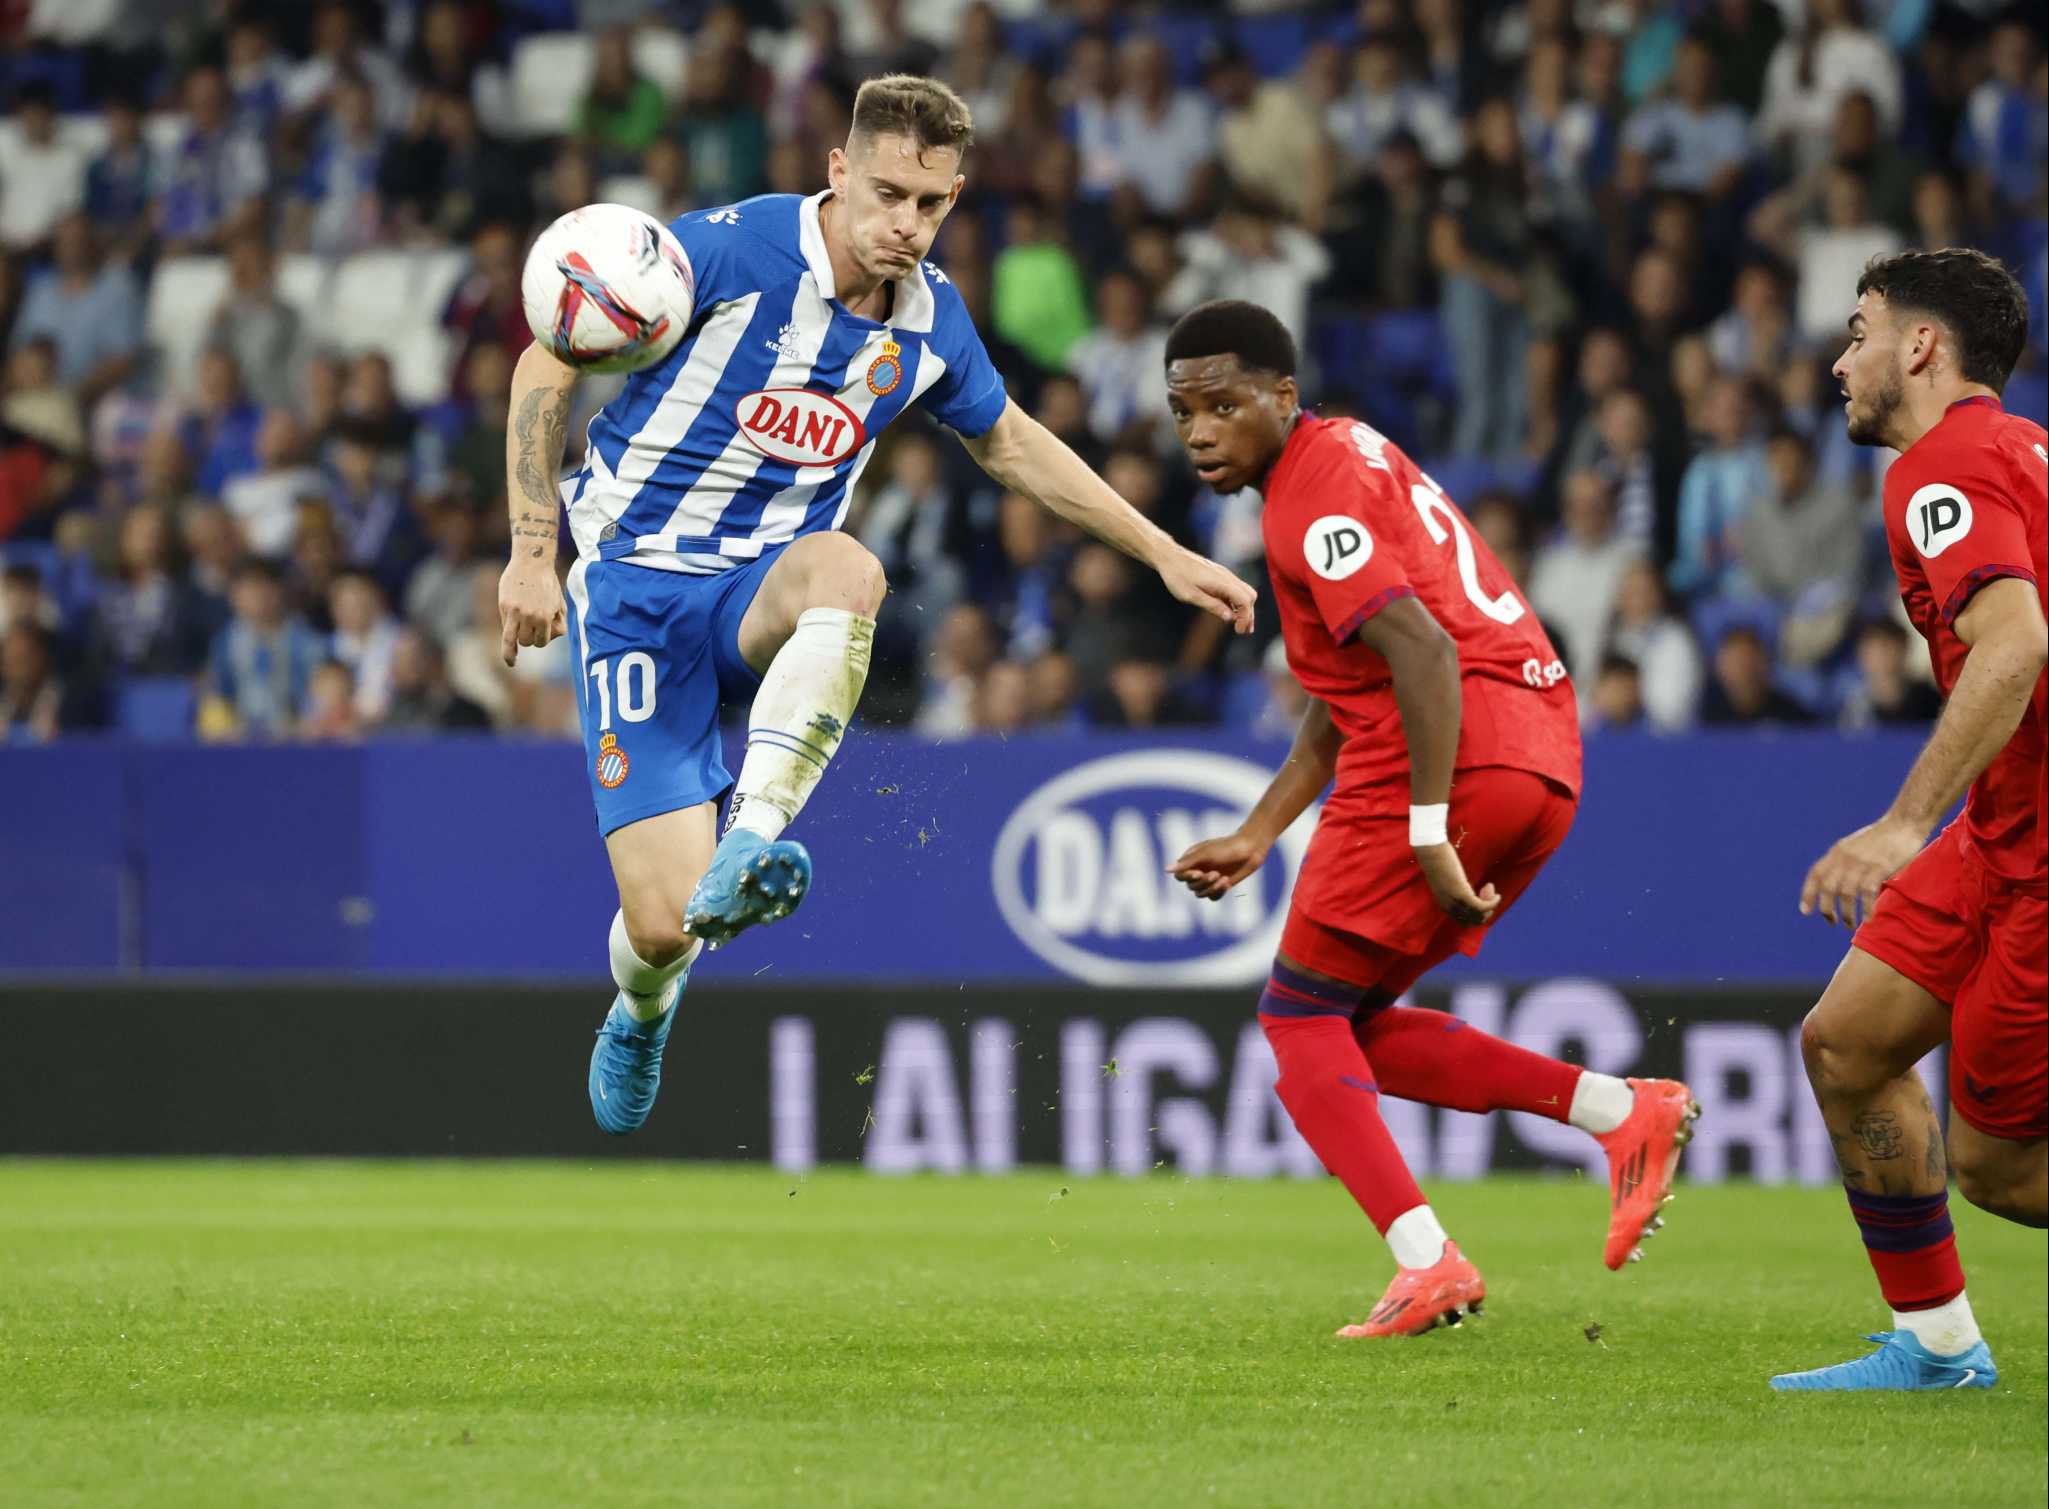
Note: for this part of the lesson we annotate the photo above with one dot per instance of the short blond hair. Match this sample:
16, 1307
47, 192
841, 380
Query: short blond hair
908, 104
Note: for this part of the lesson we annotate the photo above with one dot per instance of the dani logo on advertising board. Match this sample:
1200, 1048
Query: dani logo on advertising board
1080, 871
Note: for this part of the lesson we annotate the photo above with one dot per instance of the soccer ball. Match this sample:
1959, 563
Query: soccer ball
607, 289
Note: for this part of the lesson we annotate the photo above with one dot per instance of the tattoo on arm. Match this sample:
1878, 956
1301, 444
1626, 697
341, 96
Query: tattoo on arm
1878, 1134
541, 427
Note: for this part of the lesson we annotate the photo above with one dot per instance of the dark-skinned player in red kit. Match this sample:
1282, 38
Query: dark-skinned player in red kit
1449, 725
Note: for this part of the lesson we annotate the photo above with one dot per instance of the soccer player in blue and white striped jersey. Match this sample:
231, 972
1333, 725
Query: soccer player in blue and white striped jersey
709, 559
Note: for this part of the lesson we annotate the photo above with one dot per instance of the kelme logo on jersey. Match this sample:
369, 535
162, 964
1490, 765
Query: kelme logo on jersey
1336, 546
800, 426
1080, 875
1937, 517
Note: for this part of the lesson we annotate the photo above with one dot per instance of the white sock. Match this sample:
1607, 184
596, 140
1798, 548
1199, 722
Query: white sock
799, 715
1416, 1238
1600, 1102
1946, 1330
649, 990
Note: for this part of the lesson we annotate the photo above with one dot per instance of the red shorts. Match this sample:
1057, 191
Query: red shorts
1976, 942
1363, 913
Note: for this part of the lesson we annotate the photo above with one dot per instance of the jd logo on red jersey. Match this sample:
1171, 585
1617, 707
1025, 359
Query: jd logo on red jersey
1336, 546
1937, 517
801, 426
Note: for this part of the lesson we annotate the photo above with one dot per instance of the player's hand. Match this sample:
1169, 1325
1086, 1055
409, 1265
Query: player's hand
1446, 875
1202, 583
530, 608
1213, 866
1847, 878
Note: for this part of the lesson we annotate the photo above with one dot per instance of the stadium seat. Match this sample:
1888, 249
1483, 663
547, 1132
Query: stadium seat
663, 56
182, 298
1190, 41
549, 74
1463, 478
371, 303
1275, 44
155, 709
631, 189
436, 276
1243, 700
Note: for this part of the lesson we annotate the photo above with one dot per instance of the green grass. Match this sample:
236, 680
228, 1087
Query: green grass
369, 1335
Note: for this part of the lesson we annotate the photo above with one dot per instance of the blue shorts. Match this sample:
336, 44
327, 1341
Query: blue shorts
657, 652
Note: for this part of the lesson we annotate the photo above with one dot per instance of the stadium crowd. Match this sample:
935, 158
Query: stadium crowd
1588, 260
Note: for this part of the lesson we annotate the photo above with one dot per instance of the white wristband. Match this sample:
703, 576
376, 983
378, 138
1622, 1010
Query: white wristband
1429, 825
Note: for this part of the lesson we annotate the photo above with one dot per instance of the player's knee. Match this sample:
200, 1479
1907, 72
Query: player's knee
657, 940
841, 572
1837, 1063
1998, 1182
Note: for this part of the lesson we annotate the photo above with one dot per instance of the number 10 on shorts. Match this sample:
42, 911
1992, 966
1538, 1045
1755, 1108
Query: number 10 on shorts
636, 687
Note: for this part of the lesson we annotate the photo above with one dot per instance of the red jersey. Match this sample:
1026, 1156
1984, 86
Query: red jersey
1351, 525
1967, 504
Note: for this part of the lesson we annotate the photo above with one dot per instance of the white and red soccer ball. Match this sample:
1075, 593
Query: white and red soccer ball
607, 289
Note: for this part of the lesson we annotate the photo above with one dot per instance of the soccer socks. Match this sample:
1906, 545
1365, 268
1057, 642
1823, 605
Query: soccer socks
646, 987
1913, 1250
800, 713
1328, 1089
1438, 1059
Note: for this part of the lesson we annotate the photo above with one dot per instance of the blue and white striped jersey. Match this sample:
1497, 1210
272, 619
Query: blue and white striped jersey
756, 428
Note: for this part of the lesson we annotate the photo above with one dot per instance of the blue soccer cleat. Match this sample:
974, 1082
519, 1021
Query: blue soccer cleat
626, 1068
750, 881
1901, 1363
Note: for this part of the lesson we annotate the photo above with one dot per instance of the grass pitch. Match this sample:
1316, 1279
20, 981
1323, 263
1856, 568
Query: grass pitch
503, 1334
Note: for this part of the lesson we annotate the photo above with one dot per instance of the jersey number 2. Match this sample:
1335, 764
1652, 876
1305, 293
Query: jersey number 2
636, 703
1443, 523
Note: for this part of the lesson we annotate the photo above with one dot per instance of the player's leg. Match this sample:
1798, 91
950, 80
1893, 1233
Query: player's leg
806, 631
1328, 1089
1999, 1064
1998, 1174
1860, 1044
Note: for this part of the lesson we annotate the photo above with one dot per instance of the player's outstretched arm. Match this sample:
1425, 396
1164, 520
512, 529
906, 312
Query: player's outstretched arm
1213, 866
1423, 662
529, 593
2009, 643
1028, 458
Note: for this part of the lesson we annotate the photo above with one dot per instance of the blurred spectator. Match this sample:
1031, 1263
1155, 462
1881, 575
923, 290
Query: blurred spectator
214, 548
1122, 363
88, 310
150, 621
723, 133
1884, 693
486, 309
1742, 35
1832, 256
1810, 73
215, 174
1004, 701
1036, 293
36, 702
1625, 459
372, 408
333, 713
1034, 562
42, 175
1753, 337
1381, 232
422, 701
219, 432
981, 67
1659, 645
23, 600
341, 51
262, 662
881, 41
36, 404
1250, 251
1271, 137
1382, 101
444, 177
258, 76
121, 181
253, 324
963, 650
476, 666
334, 207
1938, 216
623, 111
378, 530
1742, 691
1281, 714
265, 502
1693, 140
1859, 144
1087, 91
2005, 135
1616, 700
1802, 548
1165, 136
1498, 520
1715, 496
1574, 580
438, 595
365, 639
918, 534
318, 557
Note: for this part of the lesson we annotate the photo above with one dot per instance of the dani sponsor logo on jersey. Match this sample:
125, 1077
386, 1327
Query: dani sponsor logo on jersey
1079, 871
801, 426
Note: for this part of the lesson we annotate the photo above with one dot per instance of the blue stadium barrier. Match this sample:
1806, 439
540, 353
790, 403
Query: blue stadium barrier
1035, 858
155, 709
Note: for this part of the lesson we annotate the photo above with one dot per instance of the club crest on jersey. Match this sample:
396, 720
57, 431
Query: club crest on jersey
1937, 517
613, 766
887, 370
800, 426
1336, 546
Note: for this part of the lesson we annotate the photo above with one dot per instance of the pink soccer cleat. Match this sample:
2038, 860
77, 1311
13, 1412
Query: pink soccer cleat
1642, 1154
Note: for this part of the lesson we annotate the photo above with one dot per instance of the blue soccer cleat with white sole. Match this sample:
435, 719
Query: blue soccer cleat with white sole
1901, 1364
626, 1068
751, 881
